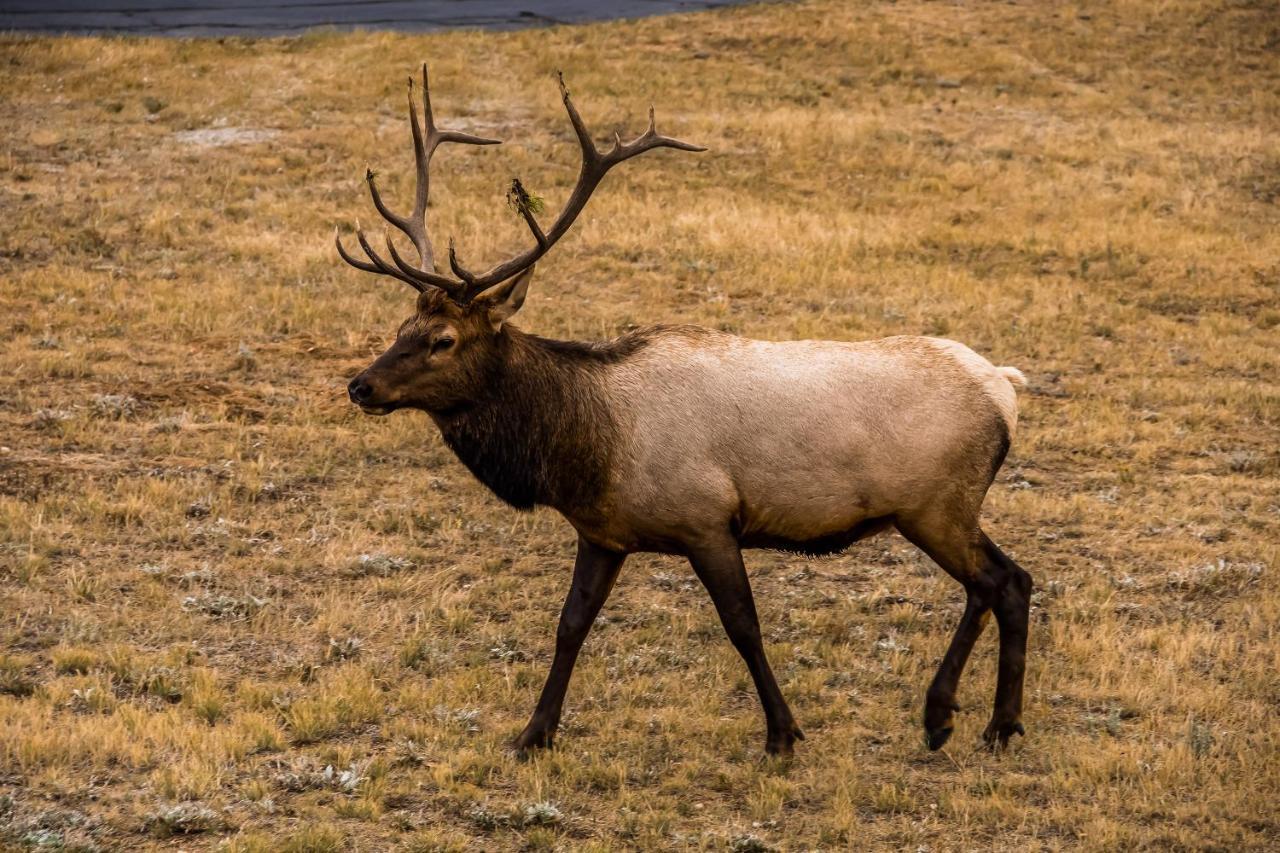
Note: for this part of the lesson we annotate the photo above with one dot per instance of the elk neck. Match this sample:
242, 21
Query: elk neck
540, 432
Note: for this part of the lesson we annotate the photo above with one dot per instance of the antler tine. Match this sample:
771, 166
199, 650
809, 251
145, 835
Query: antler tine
355, 262
459, 270
446, 135
424, 148
645, 141
381, 265
595, 165
414, 226
445, 283
590, 154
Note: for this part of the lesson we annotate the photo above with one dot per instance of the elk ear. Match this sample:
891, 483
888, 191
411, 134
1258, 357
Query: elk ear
505, 299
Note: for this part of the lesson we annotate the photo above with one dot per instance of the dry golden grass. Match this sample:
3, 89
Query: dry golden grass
218, 580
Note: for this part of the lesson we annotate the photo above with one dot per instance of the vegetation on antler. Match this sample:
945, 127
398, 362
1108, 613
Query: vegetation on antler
522, 201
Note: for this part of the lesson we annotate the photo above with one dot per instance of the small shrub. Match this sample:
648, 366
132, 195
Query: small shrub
542, 814
420, 654
540, 838
311, 720
486, 819
72, 661
13, 678
380, 565
890, 798
223, 606
432, 841
113, 406
345, 648
163, 683
184, 819
749, 843
313, 839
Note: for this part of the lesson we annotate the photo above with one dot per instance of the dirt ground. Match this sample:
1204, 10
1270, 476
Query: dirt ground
237, 615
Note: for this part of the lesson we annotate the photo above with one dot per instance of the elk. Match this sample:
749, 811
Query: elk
696, 443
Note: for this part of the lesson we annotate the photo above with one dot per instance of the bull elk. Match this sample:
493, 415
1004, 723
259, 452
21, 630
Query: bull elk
687, 441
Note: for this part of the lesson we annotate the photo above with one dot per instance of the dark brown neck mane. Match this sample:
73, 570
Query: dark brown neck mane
542, 432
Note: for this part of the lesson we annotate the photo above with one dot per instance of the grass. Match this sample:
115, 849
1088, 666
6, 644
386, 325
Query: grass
236, 615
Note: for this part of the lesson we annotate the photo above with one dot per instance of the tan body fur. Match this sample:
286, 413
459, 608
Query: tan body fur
793, 440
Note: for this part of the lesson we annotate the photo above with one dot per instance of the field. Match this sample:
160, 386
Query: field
237, 615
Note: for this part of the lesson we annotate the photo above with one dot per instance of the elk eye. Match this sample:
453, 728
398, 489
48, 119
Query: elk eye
441, 345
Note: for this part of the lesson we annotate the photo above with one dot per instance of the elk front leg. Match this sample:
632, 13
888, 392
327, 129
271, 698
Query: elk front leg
721, 571
594, 573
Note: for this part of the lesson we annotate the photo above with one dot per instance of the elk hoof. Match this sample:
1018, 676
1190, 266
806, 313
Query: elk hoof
938, 725
530, 740
937, 738
997, 734
783, 742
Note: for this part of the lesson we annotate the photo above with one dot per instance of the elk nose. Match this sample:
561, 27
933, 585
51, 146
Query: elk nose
359, 391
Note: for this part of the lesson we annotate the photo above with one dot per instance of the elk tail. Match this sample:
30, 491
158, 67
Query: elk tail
1013, 375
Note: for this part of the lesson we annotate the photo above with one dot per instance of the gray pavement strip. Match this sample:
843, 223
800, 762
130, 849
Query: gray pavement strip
284, 17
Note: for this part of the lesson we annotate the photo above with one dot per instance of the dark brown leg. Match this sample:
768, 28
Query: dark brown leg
1012, 606
940, 700
721, 571
594, 573
993, 583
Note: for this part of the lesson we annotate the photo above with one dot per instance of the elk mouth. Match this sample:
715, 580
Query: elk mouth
378, 411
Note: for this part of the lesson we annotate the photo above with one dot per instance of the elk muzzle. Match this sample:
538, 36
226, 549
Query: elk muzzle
361, 392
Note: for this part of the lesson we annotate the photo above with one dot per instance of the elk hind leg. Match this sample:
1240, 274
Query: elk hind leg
957, 545
1012, 606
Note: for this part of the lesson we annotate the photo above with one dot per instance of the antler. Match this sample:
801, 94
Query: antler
414, 225
595, 165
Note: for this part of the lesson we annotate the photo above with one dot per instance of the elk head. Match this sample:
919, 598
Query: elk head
447, 352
